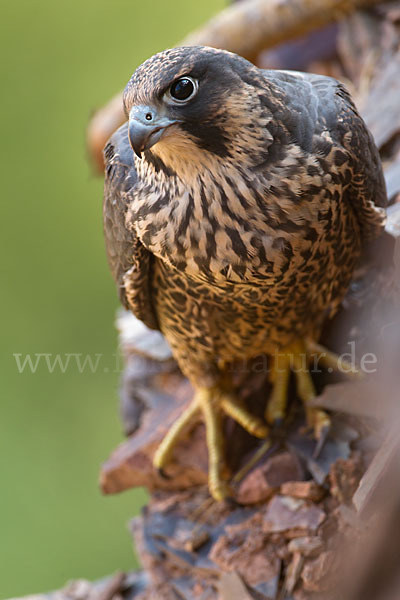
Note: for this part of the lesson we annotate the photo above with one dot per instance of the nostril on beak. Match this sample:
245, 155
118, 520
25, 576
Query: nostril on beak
146, 127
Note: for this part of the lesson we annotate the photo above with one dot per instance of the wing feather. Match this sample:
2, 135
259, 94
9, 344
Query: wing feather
318, 104
130, 262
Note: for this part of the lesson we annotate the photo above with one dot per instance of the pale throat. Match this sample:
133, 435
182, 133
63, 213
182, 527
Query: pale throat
184, 157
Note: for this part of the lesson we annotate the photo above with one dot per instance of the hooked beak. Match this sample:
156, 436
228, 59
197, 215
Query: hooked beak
146, 128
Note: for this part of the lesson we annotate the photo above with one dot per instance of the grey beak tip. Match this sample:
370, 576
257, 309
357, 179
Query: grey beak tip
142, 133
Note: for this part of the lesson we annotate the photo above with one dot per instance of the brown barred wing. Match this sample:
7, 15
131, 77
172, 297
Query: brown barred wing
325, 123
355, 155
367, 189
129, 261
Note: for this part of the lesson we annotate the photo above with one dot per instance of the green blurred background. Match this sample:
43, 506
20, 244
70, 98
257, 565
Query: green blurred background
61, 60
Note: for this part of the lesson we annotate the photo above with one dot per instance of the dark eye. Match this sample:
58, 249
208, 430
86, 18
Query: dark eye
183, 89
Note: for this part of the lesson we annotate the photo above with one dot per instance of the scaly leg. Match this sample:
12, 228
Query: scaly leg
211, 403
316, 418
330, 360
295, 358
279, 377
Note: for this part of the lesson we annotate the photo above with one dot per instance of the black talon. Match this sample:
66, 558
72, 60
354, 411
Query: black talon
163, 474
321, 441
278, 423
232, 502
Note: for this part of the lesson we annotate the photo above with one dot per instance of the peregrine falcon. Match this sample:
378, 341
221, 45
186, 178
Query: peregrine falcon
237, 202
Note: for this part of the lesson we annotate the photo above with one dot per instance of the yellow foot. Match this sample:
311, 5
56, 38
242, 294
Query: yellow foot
211, 403
297, 358
319, 355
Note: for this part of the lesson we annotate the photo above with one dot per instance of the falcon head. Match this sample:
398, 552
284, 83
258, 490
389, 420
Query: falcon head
194, 104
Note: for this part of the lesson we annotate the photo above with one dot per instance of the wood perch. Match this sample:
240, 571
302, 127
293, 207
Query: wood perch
270, 23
